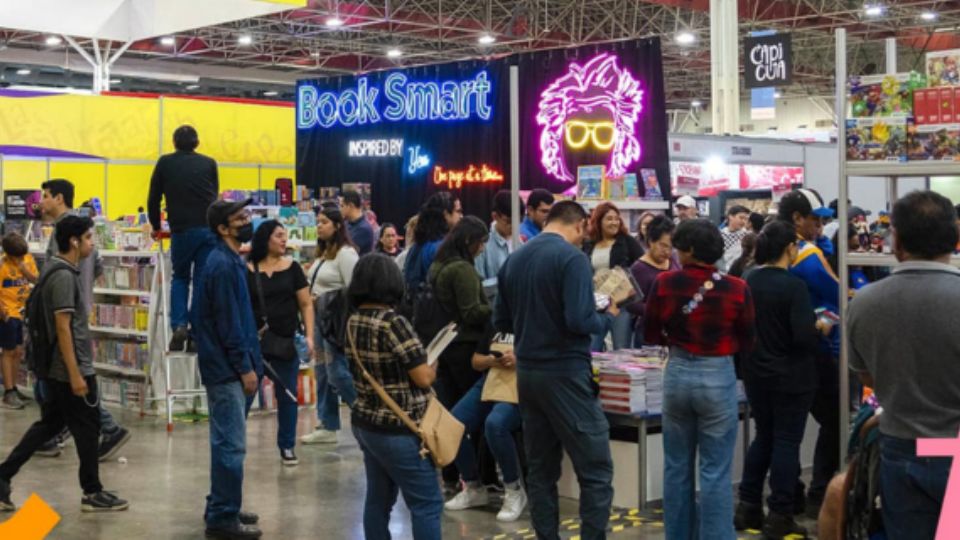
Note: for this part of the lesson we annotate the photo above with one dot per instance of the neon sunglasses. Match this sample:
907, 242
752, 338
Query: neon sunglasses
579, 133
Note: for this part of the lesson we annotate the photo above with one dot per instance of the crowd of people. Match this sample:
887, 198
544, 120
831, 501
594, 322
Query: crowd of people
733, 302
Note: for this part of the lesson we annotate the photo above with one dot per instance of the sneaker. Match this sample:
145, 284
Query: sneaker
514, 501
813, 507
23, 397
234, 532
748, 516
320, 436
11, 401
63, 437
179, 340
777, 526
468, 498
248, 518
104, 501
6, 505
111, 443
49, 449
288, 458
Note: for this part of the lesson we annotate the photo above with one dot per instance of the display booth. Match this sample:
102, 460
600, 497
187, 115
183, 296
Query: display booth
409, 133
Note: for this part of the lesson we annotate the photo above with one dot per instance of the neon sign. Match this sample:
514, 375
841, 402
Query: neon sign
375, 148
406, 100
568, 110
454, 179
416, 161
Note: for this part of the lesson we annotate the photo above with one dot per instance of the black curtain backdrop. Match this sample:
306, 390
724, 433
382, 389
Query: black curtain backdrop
323, 161
539, 70
322, 153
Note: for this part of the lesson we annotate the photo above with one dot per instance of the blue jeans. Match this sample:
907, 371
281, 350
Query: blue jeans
621, 328
333, 379
393, 464
288, 370
188, 253
699, 413
561, 411
228, 447
912, 489
780, 418
499, 421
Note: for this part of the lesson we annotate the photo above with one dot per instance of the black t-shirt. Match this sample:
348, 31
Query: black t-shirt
280, 295
786, 333
493, 338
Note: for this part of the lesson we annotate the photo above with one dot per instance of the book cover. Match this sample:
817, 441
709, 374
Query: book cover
307, 219
614, 189
631, 189
590, 182
289, 216
651, 185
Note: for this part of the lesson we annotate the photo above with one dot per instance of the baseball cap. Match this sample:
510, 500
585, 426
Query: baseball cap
856, 211
804, 201
686, 201
219, 212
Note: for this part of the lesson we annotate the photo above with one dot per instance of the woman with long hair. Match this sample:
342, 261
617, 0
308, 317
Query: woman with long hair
780, 378
705, 318
279, 281
657, 260
611, 246
745, 262
390, 351
333, 269
437, 216
389, 242
642, 224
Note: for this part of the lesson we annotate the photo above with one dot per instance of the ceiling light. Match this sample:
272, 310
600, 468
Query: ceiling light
53, 41
873, 10
69, 89
192, 86
394, 53
245, 39
315, 54
486, 39
696, 104
777, 95
929, 15
334, 22
271, 93
116, 81
168, 41
23, 71
686, 38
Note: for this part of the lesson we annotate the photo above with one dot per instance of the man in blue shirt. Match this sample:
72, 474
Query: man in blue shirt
546, 300
539, 203
228, 353
361, 232
805, 210
500, 244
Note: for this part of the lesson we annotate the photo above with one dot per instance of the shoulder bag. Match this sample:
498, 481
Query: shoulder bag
272, 345
439, 431
331, 310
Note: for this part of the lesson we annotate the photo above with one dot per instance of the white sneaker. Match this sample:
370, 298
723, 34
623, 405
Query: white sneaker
514, 501
468, 498
320, 436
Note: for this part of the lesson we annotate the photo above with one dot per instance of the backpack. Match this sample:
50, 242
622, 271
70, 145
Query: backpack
429, 315
39, 347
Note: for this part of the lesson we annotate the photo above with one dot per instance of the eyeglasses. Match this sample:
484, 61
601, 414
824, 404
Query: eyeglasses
603, 134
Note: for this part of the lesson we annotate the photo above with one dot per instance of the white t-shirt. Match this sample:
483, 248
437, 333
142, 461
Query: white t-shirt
601, 258
329, 275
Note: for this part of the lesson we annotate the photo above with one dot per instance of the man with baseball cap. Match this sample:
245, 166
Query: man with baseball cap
228, 354
805, 210
686, 208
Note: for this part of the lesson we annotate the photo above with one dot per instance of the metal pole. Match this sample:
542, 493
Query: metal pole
891, 49
843, 217
515, 153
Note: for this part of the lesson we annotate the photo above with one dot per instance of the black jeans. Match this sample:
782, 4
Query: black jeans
561, 412
61, 408
780, 419
826, 411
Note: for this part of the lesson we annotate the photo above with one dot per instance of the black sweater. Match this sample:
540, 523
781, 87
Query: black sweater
623, 253
786, 332
189, 182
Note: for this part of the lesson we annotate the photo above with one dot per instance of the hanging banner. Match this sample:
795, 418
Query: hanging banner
767, 61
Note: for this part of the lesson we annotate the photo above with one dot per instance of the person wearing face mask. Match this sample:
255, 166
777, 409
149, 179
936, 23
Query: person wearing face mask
780, 378
228, 354
546, 300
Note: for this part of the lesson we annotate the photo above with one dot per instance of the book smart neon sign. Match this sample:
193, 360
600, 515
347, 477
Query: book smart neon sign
404, 100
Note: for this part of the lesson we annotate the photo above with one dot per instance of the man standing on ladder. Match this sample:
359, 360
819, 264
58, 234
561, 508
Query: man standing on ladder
189, 182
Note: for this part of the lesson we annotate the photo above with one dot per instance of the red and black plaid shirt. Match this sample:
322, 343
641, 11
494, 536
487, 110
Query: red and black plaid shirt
721, 325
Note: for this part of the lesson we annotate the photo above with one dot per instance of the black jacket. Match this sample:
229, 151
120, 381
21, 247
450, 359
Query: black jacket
624, 252
189, 182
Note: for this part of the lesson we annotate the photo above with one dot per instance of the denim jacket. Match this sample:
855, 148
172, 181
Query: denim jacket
223, 321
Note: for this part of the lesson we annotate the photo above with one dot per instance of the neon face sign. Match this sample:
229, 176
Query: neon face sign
568, 110
405, 100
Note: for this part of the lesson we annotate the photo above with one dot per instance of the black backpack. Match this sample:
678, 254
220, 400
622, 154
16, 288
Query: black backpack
40, 344
429, 315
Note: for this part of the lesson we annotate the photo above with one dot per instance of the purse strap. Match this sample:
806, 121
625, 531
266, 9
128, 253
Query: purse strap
391, 404
315, 272
263, 305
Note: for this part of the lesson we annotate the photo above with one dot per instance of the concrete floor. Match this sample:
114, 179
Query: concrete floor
166, 479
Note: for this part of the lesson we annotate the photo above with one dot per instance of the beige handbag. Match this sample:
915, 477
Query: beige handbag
439, 431
501, 383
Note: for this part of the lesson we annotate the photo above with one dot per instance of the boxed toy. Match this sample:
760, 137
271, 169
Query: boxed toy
933, 142
884, 95
877, 139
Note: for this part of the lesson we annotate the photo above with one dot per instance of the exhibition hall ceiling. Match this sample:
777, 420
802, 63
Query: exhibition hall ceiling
332, 37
